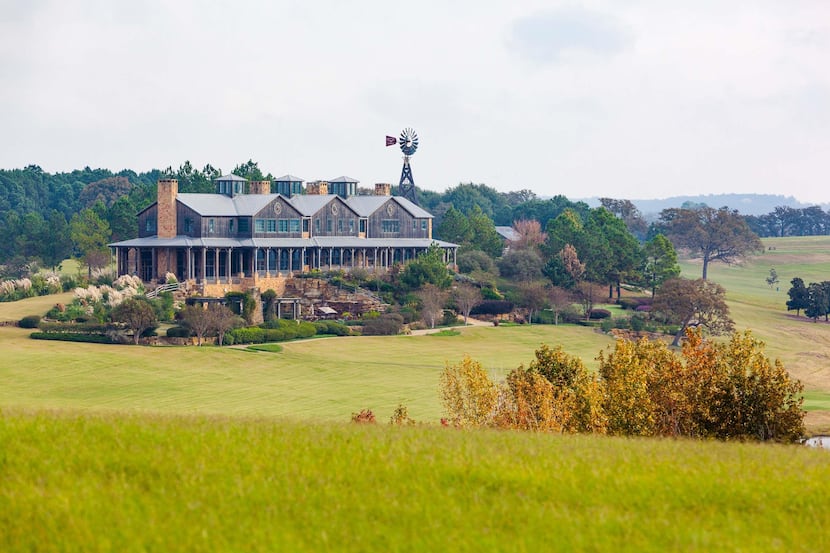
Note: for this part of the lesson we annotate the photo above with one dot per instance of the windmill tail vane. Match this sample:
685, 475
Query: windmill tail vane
391, 140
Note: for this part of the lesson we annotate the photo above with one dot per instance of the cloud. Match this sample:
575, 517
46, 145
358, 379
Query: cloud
546, 37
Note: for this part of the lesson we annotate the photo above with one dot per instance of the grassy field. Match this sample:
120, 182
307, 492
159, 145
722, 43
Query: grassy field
102, 482
330, 379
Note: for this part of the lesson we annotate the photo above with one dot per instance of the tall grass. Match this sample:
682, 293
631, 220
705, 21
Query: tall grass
88, 482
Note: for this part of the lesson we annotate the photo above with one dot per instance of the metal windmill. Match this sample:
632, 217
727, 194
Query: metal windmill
409, 144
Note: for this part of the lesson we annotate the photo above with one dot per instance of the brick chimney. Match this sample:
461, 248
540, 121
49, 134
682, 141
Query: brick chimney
168, 189
319, 187
383, 189
259, 187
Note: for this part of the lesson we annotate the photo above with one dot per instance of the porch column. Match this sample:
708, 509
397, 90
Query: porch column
267, 262
254, 264
189, 264
290, 260
351, 261
302, 260
216, 264
279, 260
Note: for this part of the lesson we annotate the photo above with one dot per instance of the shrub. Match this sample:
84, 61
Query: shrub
449, 318
29, 321
597, 314
72, 337
365, 416
468, 394
332, 328
490, 293
247, 335
388, 324
492, 307
178, 332
400, 417
607, 325
637, 322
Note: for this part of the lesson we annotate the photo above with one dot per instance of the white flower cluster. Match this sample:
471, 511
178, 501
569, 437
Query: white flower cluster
170, 278
107, 273
127, 281
7, 287
53, 280
124, 287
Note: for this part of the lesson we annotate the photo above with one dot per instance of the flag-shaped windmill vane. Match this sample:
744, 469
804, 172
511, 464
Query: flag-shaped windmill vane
409, 144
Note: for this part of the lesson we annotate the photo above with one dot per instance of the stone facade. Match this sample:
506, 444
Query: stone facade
168, 189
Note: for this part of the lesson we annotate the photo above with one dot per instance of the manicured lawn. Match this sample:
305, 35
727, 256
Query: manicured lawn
99, 482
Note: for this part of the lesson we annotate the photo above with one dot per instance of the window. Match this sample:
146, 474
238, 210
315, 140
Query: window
340, 226
390, 225
317, 226
263, 225
211, 225
328, 225
351, 226
259, 225
288, 225
362, 225
150, 224
423, 224
230, 226
244, 225
188, 225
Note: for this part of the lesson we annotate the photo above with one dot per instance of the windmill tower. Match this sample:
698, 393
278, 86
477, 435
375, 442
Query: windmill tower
409, 144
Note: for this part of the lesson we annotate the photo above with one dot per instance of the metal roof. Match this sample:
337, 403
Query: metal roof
344, 179
217, 205
231, 176
309, 204
317, 242
289, 178
507, 232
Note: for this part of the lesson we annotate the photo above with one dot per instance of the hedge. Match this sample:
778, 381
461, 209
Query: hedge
72, 337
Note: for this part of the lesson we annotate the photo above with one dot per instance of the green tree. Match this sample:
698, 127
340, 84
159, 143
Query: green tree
660, 262
711, 234
90, 234
818, 300
428, 268
799, 298
484, 233
455, 227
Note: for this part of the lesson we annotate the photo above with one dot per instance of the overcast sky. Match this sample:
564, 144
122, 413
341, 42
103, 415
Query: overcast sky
624, 98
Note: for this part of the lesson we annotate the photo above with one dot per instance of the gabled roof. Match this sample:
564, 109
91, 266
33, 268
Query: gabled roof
219, 205
365, 206
344, 179
288, 178
232, 177
309, 204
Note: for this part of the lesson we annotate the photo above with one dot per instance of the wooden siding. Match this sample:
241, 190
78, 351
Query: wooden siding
287, 211
406, 230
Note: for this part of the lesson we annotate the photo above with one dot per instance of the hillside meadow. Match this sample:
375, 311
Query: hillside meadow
129, 448
131, 482
331, 378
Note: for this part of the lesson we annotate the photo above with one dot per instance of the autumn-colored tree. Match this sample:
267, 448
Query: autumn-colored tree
467, 393
743, 395
588, 294
698, 302
528, 235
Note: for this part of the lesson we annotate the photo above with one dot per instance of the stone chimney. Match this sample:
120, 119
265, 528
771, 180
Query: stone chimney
319, 187
383, 189
168, 189
259, 187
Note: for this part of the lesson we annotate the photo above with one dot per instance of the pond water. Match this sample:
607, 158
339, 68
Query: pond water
818, 441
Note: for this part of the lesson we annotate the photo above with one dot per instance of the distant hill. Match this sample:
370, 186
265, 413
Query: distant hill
747, 204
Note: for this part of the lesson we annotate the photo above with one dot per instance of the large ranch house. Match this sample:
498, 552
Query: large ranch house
245, 237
